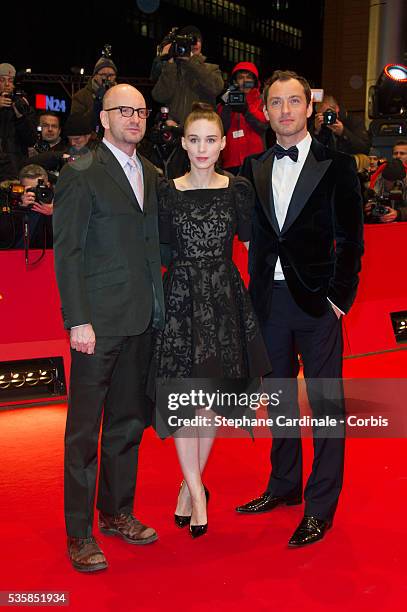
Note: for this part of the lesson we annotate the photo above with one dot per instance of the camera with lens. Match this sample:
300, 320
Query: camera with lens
43, 194
181, 44
41, 145
165, 135
17, 97
330, 117
380, 205
235, 97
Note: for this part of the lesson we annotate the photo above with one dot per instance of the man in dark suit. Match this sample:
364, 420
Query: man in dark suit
108, 271
304, 261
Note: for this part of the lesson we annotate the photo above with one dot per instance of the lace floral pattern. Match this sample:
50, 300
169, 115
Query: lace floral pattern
210, 329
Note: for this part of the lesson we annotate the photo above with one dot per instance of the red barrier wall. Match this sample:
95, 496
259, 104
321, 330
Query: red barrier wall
31, 323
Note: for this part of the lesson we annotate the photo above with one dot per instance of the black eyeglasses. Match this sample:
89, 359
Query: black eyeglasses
128, 111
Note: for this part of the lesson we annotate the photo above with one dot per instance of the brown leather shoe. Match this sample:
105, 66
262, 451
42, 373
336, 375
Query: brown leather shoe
127, 527
85, 554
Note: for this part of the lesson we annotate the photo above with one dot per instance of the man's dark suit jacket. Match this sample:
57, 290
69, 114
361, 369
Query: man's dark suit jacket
321, 242
107, 257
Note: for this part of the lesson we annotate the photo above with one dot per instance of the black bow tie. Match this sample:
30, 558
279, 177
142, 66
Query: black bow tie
292, 152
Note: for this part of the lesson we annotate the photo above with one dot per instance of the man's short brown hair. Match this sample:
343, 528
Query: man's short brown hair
33, 171
286, 75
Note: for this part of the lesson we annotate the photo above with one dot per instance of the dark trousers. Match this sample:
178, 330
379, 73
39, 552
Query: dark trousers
290, 331
110, 383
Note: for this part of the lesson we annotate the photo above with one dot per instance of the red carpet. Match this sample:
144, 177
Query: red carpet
243, 563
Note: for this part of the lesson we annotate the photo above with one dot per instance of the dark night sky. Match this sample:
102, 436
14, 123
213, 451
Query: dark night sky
50, 37
53, 36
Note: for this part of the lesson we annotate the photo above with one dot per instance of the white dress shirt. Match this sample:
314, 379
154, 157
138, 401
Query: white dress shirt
284, 179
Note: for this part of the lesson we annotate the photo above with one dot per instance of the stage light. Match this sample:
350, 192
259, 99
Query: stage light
31, 379
17, 379
5, 381
397, 72
388, 98
388, 108
399, 322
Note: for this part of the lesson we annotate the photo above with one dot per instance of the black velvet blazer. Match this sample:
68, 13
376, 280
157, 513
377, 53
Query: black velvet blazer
321, 242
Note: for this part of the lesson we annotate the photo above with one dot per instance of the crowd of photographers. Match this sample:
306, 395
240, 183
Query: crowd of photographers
34, 148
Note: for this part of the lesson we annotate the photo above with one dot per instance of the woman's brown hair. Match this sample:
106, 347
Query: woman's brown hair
201, 110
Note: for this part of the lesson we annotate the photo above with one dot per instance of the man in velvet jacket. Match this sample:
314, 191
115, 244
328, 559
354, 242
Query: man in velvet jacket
108, 271
304, 260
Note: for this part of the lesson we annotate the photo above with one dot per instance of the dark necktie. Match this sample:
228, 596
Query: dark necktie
279, 152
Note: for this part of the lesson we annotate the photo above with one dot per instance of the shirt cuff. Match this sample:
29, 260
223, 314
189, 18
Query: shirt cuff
337, 307
81, 325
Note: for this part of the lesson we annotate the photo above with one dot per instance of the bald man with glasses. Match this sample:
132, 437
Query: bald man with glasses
108, 271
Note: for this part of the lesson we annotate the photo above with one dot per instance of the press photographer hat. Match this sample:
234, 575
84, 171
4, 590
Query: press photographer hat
104, 62
7, 70
77, 125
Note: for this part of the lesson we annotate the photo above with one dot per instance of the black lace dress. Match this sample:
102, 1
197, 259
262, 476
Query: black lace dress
211, 331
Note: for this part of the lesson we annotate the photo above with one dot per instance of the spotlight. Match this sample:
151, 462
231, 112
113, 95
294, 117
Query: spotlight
31, 379
399, 322
17, 379
388, 98
5, 381
388, 108
397, 72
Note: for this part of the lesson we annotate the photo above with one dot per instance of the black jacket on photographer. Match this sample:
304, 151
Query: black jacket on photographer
88, 101
354, 138
387, 180
184, 81
162, 146
16, 135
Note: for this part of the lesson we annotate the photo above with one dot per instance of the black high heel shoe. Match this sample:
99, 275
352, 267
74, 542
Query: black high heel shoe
199, 530
183, 521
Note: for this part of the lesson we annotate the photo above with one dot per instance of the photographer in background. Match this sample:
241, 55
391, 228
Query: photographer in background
400, 150
387, 195
50, 125
162, 146
17, 121
338, 130
39, 200
88, 100
244, 122
80, 140
184, 76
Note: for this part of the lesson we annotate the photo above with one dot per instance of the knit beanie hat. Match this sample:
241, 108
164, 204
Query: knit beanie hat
7, 70
104, 62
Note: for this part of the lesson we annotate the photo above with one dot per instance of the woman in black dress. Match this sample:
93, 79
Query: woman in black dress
211, 331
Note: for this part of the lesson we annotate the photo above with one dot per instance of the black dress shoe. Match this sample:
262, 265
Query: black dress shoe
267, 502
182, 521
310, 530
